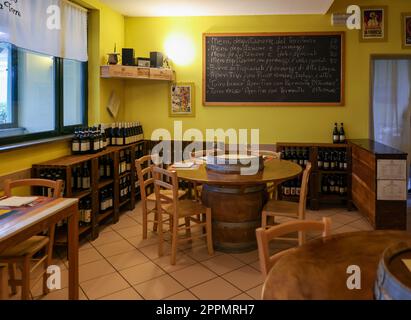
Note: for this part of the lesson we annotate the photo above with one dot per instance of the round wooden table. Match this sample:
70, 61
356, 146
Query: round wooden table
237, 200
318, 269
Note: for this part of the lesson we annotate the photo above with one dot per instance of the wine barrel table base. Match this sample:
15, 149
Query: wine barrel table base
236, 215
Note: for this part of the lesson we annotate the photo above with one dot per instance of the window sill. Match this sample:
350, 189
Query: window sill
27, 144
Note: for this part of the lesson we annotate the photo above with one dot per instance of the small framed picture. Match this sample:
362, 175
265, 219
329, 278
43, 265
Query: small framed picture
374, 23
182, 100
406, 30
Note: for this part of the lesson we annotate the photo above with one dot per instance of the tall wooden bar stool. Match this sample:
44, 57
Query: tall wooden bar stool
265, 236
144, 167
22, 254
190, 211
279, 208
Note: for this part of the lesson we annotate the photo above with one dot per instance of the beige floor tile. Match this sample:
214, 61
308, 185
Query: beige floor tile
184, 295
115, 248
256, 292
216, 289
344, 229
200, 253
62, 295
94, 270
361, 224
182, 261
141, 273
127, 294
152, 251
131, 232
193, 275
242, 296
106, 238
247, 257
104, 286
127, 259
223, 264
89, 255
245, 278
344, 218
37, 285
125, 222
256, 265
105, 228
159, 288
85, 245
139, 242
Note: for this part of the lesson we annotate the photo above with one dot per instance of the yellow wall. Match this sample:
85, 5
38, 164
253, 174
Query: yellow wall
148, 102
106, 27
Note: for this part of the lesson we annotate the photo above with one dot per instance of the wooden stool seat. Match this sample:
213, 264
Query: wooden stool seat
152, 197
28, 247
282, 208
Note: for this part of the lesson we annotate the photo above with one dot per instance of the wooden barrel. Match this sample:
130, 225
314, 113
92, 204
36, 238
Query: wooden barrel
236, 213
393, 277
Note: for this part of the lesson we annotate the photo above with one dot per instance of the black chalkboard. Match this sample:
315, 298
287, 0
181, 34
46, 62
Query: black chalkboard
274, 69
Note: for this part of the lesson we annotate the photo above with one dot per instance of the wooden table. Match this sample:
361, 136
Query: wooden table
28, 222
318, 269
237, 201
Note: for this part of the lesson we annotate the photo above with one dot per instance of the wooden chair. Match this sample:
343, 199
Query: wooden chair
4, 288
264, 236
23, 253
279, 208
190, 211
144, 167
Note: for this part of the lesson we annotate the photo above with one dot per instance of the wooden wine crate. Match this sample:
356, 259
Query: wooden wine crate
161, 74
143, 73
119, 71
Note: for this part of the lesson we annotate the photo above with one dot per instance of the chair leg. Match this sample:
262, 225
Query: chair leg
4, 288
144, 224
156, 217
188, 230
12, 278
301, 238
25, 277
209, 233
264, 220
160, 232
174, 240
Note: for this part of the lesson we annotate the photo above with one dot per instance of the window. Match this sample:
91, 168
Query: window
40, 96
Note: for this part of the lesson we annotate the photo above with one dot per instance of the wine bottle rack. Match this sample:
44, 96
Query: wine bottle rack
316, 195
98, 183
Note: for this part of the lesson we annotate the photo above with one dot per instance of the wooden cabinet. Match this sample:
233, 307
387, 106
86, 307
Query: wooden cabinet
379, 183
99, 217
129, 72
316, 194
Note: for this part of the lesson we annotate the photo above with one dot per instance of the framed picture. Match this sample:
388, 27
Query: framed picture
406, 30
374, 23
182, 100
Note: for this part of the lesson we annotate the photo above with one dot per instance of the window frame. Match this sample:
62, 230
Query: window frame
12, 94
59, 128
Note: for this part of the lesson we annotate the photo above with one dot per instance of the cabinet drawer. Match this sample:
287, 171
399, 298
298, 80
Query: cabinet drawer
392, 190
391, 169
364, 156
119, 71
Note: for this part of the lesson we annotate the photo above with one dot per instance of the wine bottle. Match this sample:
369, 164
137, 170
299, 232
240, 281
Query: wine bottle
342, 133
86, 178
336, 134
320, 160
75, 146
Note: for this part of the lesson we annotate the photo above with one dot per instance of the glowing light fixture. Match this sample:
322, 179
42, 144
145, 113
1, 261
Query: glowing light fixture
180, 49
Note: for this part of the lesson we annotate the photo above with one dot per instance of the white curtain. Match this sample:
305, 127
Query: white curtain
52, 27
392, 103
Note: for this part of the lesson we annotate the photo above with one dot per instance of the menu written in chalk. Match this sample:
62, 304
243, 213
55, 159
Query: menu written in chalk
277, 69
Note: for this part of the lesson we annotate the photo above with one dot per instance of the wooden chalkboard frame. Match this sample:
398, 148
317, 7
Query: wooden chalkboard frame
331, 33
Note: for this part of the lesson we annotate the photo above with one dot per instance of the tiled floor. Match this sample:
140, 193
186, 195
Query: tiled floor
120, 265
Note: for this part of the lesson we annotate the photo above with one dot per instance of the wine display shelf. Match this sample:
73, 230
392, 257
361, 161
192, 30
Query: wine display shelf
66, 165
316, 197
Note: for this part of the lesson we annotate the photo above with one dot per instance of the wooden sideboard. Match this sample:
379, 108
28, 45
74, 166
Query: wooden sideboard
379, 183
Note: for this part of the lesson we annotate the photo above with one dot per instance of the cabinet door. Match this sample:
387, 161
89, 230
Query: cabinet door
391, 169
392, 190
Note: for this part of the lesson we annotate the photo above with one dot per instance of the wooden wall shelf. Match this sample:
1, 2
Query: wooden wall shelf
99, 217
129, 72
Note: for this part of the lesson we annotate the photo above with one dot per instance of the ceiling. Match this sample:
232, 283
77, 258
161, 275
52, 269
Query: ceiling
163, 8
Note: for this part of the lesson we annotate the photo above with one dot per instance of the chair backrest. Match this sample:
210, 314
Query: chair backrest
264, 236
169, 200
304, 190
55, 186
144, 167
